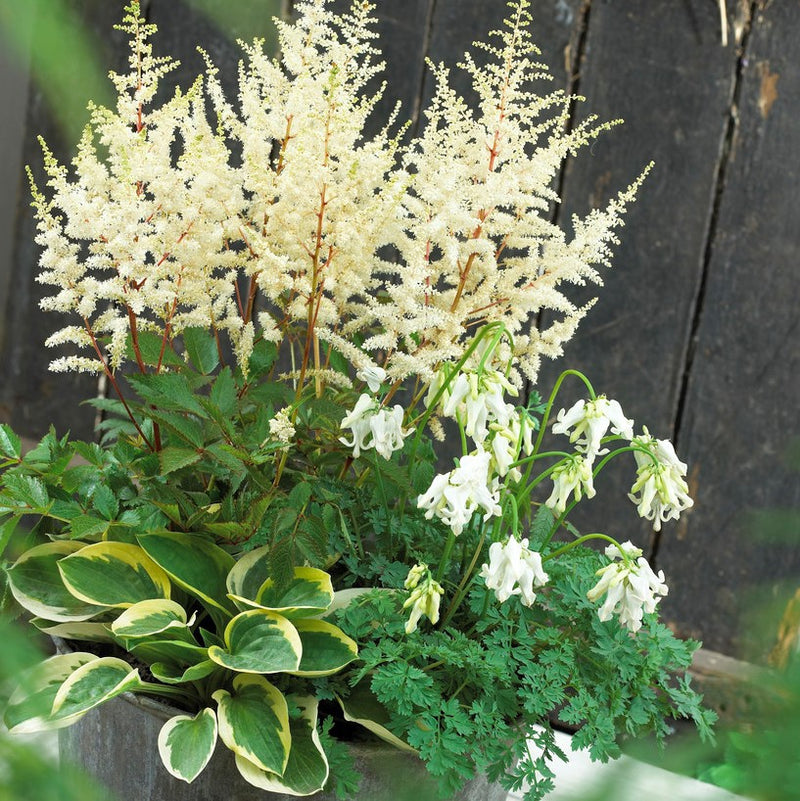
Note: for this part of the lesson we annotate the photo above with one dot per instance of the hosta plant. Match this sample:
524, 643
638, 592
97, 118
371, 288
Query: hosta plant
300, 322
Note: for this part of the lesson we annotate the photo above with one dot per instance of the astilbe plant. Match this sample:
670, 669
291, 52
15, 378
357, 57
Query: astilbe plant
290, 310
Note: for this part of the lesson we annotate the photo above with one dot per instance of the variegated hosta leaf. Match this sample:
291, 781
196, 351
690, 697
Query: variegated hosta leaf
92, 684
30, 705
186, 744
169, 673
248, 576
153, 616
343, 598
326, 648
309, 593
114, 574
78, 630
361, 706
172, 651
254, 722
195, 564
307, 769
259, 641
36, 583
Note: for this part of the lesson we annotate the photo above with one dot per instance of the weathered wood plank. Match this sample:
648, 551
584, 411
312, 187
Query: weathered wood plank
403, 30
456, 24
660, 67
740, 420
31, 397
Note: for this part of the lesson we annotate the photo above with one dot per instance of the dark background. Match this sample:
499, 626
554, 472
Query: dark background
695, 332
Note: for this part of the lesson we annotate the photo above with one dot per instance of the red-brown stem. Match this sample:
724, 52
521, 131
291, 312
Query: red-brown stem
113, 380
135, 340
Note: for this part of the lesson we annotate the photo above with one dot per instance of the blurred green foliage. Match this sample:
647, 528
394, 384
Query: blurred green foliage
66, 57
27, 771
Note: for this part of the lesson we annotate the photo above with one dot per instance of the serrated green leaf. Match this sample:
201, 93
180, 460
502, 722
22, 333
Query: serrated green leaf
10, 445
201, 347
150, 345
179, 425
87, 527
300, 495
173, 458
105, 502
167, 391
7, 529
186, 744
263, 357
223, 392
25, 492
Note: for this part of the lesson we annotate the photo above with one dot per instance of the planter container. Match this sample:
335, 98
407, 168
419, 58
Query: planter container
118, 744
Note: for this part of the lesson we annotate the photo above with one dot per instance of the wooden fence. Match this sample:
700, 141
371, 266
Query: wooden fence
695, 332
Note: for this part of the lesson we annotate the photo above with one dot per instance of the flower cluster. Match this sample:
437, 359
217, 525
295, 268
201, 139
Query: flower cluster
455, 496
660, 491
631, 585
424, 598
211, 242
514, 569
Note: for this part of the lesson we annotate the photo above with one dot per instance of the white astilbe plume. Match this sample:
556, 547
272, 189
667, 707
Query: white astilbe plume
477, 245
322, 208
137, 229
159, 219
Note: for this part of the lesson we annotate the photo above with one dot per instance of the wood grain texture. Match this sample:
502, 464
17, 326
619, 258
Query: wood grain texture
658, 66
31, 397
740, 428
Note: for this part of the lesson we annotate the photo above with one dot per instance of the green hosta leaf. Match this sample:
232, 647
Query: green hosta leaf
308, 593
174, 458
195, 564
10, 445
92, 684
175, 652
186, 744
248, 575
30, 704
259, 641
36, 583
201, 347
254, 722
307, 769
149, 617
362, 707
326, 648
174, 674
113, 574
85, 632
